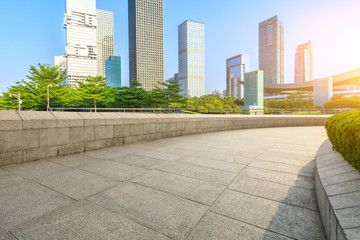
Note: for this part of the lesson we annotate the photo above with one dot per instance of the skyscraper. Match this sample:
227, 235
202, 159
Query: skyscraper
236, 67
113, 71
192, 58
105, 39
81, 50
271, 50
146, 42
304, 63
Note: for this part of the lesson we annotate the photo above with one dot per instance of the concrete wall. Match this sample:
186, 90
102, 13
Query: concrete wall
337, 186
28, 136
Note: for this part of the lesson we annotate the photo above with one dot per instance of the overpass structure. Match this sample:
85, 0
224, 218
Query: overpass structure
341, 82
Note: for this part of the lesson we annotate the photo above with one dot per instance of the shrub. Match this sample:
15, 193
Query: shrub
344, 133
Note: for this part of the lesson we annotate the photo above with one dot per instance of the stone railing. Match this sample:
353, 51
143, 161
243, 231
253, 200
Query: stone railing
338, 194
28, 136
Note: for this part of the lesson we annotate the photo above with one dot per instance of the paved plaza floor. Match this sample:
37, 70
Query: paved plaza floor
246, 184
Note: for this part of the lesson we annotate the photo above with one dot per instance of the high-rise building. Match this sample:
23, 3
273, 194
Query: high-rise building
236, 67
304, 63
192, 58
60, 61
105, 39
113, 71
271, 50
146, 42
81, 50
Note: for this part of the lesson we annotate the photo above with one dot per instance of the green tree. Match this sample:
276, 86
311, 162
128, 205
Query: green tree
169, 94
34, 91
92, 92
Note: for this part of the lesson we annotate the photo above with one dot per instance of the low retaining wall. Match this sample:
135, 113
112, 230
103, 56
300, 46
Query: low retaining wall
28, 136
338, 194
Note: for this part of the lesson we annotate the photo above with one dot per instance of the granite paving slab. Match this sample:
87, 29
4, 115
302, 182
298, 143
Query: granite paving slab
198, 172
114, 170
76, 183
75, 161
24, 201
84, 220
290, 221
140, 161
214, 227
173, 216
189, 188
33, 170
215, 164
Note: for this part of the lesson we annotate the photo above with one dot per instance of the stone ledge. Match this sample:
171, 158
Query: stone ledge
337, 185
24, 135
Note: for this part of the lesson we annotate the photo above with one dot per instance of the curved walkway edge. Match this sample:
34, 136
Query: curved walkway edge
338, 194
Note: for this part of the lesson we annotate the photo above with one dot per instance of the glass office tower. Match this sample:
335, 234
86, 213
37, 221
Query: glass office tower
236, 67
192, 58
146, 42
113, 71
81, 50
304, 63
271, 50
105, 39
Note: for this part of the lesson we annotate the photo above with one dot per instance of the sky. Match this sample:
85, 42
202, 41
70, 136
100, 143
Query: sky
32, 32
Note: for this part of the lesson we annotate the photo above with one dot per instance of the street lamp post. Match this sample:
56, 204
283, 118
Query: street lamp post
48, 97
18, 98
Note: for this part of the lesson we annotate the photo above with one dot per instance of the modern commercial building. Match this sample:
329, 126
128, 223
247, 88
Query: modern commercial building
105, 39
113, 71
81, 50
146, 42
271, 50
192, 58
254, 92
60, 61
236, 67
304, 63
323, 91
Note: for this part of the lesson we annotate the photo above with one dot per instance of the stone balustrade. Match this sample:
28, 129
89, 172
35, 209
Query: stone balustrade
31, 135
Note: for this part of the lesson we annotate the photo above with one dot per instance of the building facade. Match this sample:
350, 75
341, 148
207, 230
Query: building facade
192, 58
105, 39
81, 50
113, 71
146, 42
271, 50
254, 89
236, 67
304, 63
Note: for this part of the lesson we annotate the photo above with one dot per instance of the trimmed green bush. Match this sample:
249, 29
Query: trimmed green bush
344, 133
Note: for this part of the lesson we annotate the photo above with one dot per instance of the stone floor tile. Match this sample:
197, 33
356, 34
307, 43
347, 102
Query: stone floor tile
189, 188
114, 170
33, 170
215, 164
8, 178
277, 192
140, 161
287, 220
173, 216
106, 154
214, 227
171, 157
279, 177
307, 170
7, 236
75, 161
198, 172
24, 201
84, 220
76, 183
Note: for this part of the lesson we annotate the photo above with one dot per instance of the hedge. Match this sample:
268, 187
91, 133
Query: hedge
344, 133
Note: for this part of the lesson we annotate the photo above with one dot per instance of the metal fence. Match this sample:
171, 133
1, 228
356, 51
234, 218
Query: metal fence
272, 111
